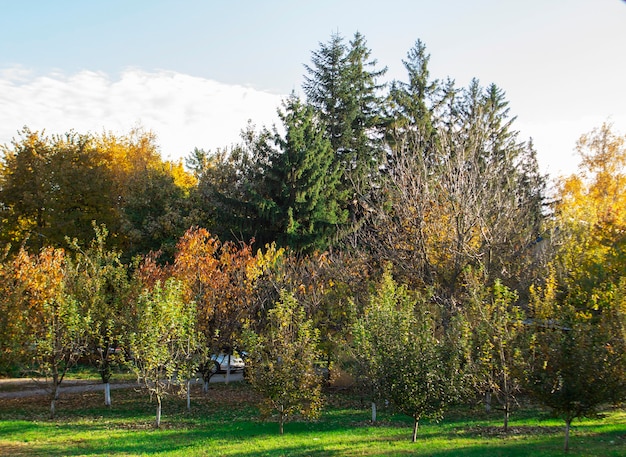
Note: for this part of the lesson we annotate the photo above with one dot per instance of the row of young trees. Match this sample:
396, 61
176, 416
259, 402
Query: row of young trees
418, 189
399, 344
563, 341
62, 306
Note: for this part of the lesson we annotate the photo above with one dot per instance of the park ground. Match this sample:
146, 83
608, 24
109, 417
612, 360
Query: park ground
226, 422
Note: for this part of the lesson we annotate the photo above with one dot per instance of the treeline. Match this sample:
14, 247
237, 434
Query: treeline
401, 229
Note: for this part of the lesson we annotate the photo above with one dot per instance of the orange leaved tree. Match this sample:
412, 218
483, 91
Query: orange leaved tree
54, 323
219, 278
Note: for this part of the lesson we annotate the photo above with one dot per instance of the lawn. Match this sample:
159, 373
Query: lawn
225, 422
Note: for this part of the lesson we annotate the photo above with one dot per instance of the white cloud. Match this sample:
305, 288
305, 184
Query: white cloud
183, 111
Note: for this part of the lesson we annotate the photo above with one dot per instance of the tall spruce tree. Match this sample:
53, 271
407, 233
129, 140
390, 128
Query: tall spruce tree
411, 103
342, 84
325, 86
298, 197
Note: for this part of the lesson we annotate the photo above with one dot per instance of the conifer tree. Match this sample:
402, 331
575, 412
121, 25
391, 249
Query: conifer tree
342, 85
412, 103
299, 200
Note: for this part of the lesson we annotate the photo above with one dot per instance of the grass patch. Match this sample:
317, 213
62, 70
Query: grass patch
225, 422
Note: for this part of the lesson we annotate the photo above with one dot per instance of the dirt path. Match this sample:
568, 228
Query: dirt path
21, 387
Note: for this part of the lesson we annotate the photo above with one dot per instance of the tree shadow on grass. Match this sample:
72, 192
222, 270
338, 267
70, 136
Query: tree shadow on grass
248, 439
220, 425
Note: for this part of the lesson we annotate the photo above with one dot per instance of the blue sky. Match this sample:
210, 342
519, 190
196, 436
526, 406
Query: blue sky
195, 71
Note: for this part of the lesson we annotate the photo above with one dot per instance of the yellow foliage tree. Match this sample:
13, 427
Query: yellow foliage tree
577, 340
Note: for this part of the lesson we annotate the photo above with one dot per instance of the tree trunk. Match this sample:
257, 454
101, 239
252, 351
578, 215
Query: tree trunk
158, 412
205, 387
373, 412
505, 390
53, 407
282, 419
107, 394
228, 370
507, 410
488, 401
507, 413
416, 424
54, 395
568, 423
188, 394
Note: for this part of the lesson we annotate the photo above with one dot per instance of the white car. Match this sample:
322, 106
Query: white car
220, 363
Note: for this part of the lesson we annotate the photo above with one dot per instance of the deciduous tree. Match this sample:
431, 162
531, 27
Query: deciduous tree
55, 332
282, 362
574, 362
460, 190
228, 181
496, 350
150, 196
100, 282
219, 278
577, 346
52, 188
409, 361
165, 334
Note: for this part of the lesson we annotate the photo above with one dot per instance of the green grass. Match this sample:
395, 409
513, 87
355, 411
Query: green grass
225, 423
88, 372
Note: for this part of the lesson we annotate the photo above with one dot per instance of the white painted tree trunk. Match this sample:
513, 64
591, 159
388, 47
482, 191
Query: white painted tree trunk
55, 397
373, 412
158, 412
107, 394
188, 394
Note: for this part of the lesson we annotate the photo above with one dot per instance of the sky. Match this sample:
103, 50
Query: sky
194, 72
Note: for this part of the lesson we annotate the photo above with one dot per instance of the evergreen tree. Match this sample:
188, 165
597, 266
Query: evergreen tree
225, 197
342, 85
325, 86
412, 103
298, 199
